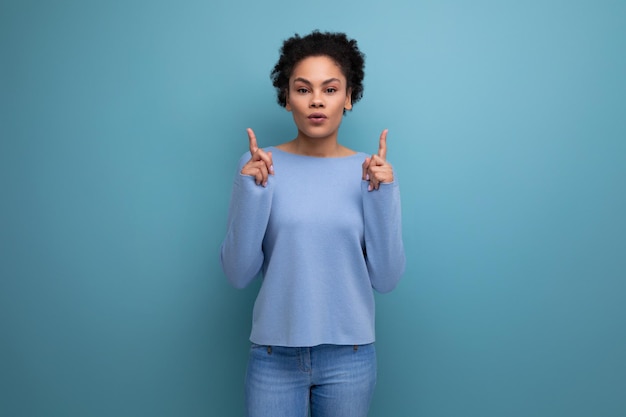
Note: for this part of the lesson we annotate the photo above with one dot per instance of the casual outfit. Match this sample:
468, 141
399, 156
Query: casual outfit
321, 241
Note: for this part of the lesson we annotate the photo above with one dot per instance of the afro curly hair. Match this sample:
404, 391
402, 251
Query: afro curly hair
336, 45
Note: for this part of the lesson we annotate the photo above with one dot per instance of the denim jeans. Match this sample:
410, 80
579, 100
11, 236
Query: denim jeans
325, 380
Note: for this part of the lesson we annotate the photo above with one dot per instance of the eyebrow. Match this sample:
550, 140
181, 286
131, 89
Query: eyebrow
328, 81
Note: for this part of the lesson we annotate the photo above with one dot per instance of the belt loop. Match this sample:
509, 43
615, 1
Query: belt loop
356, 347
269, 350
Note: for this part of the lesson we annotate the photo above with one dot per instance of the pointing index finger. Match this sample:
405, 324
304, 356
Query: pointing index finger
382, 145
252, 138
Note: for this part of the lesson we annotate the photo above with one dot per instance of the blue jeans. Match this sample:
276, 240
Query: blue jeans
327, 380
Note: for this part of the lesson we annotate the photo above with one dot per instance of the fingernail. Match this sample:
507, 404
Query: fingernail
369, 187
367, 177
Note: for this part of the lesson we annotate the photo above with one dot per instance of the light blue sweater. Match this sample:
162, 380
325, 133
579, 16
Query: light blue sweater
321, 242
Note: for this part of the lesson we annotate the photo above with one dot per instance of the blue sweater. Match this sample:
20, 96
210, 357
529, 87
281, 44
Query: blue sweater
321, 242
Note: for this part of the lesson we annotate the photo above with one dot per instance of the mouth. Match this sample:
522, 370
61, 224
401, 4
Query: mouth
317, 117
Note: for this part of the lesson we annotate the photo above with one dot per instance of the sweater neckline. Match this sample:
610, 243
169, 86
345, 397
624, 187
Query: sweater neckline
330, 158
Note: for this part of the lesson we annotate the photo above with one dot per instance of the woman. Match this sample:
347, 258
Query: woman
321, 224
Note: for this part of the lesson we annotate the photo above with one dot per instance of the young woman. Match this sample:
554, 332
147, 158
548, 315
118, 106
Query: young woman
321, 224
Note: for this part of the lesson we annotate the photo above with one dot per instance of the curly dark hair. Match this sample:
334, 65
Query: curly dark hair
336, 45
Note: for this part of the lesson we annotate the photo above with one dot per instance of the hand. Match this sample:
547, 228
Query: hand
376, 169
260, 165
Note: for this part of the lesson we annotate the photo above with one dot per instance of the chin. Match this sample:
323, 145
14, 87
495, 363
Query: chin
320, 132
317, 135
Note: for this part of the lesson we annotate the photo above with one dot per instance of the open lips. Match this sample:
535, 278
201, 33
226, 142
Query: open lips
317, 117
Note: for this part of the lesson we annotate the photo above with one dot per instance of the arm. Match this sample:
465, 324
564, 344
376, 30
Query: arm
384, 248
241, 253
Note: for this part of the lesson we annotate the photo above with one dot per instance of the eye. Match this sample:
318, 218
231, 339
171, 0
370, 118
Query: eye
331, 90
302, 90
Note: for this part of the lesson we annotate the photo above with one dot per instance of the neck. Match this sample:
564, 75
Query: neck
327, 147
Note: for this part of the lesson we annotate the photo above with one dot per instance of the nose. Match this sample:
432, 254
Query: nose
316, 101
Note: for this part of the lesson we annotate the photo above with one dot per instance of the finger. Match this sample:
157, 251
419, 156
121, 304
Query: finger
270, 161
380, 174
265, 157
258, 177
382, 145
366, 165
374, 181
256, 169
377, 183
370, 175
252, 139
260, 174
263, 174
376, 161
260, 154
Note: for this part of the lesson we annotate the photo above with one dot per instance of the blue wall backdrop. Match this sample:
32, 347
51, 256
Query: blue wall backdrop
121, 123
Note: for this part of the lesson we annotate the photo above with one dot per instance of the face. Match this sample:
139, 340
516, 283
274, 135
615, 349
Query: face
317, 97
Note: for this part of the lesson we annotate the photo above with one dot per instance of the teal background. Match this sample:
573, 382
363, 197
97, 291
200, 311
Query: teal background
121, 125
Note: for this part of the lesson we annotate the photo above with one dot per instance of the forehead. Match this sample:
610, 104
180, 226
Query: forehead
317, 68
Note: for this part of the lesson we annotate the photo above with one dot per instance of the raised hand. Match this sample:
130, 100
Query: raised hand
260, 165
376, 169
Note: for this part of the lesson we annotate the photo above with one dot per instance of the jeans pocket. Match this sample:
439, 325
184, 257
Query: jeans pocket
255, 347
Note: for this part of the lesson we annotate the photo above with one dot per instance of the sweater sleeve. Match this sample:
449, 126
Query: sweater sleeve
241, 253
384, 250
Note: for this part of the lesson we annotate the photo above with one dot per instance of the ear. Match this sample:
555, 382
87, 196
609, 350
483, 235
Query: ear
348, 103
287, 104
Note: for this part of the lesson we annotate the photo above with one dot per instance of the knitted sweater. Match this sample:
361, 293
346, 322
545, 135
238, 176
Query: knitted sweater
320, 241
